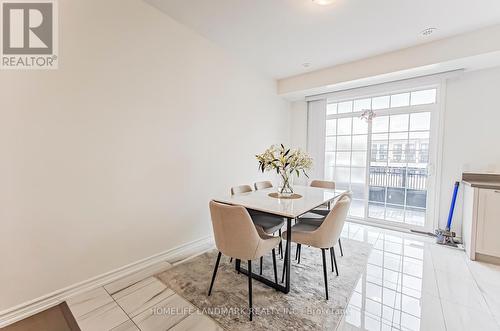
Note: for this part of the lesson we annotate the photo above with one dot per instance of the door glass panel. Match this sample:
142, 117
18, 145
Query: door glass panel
331, 127
420, 121
342, 177
395, 146
329, 159
358, 176
329, 172
380, 124
344, 143
399, 123
360, 143
343, 158
331, 143
398, 170
359, 126
358, 159
344, 126
357, 208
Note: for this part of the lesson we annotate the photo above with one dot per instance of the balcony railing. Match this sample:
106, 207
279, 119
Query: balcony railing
411, 178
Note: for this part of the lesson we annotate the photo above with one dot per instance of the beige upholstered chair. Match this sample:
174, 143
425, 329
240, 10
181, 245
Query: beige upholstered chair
323, 184
262, 185
240, 189
266, 222
236, 236
312, 218
323, 235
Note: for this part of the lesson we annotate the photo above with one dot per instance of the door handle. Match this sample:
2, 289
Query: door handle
430, 169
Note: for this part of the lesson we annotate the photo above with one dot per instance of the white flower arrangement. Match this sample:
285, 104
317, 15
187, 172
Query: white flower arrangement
285, 162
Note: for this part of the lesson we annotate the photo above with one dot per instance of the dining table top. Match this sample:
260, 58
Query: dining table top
311, 198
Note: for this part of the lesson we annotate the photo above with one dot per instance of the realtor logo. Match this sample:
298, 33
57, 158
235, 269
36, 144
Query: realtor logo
29, 34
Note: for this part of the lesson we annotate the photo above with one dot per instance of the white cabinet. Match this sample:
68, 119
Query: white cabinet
469, 218
488, 222
481, 223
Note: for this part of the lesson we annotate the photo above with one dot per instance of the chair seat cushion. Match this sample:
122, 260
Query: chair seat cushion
313, 221
322, 212
303, 233
268, 223
312, 214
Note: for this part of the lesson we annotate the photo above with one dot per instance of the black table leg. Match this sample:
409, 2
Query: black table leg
287, 263
288, 247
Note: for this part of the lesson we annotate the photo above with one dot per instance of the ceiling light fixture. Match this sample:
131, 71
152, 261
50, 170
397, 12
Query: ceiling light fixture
323, 2
427, 32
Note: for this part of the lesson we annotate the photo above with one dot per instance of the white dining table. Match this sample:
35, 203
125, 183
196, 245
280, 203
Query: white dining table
291, 209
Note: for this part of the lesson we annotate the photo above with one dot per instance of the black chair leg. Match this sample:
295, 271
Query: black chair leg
215, 272
297, 251
238, 261
324, 272
300, 253
335, 261
341, 251
331, 257
280, 248
274, 267
231, 260
284, 264
261, 260
250, 306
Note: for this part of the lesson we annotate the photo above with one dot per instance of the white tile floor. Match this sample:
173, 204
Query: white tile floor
137, 302
410, 283
413, 284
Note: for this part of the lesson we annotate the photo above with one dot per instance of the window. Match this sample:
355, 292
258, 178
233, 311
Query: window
382, 161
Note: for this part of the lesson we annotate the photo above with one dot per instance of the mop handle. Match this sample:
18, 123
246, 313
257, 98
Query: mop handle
452, 207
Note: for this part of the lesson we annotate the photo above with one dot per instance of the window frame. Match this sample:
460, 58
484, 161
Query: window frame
435, 146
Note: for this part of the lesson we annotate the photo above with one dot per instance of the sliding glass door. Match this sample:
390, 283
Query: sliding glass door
383, 157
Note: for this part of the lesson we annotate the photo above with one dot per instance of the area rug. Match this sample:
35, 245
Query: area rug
303, 308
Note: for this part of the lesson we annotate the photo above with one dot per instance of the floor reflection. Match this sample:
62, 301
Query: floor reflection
387, 295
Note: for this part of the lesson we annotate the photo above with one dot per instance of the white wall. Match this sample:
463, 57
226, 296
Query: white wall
471, 133
470, 137
114, 157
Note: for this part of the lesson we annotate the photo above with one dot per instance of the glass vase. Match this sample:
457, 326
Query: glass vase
285, 184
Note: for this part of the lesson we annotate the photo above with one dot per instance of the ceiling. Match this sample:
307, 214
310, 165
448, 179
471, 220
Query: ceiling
278, 36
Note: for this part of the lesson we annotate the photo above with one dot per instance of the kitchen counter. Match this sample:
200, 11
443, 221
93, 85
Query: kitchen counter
482, 180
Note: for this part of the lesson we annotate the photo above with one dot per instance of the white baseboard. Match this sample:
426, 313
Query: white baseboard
173, 255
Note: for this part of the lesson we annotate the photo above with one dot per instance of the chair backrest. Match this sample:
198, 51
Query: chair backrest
234, 232
329, 231
262, 185
240, 189
323, 184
